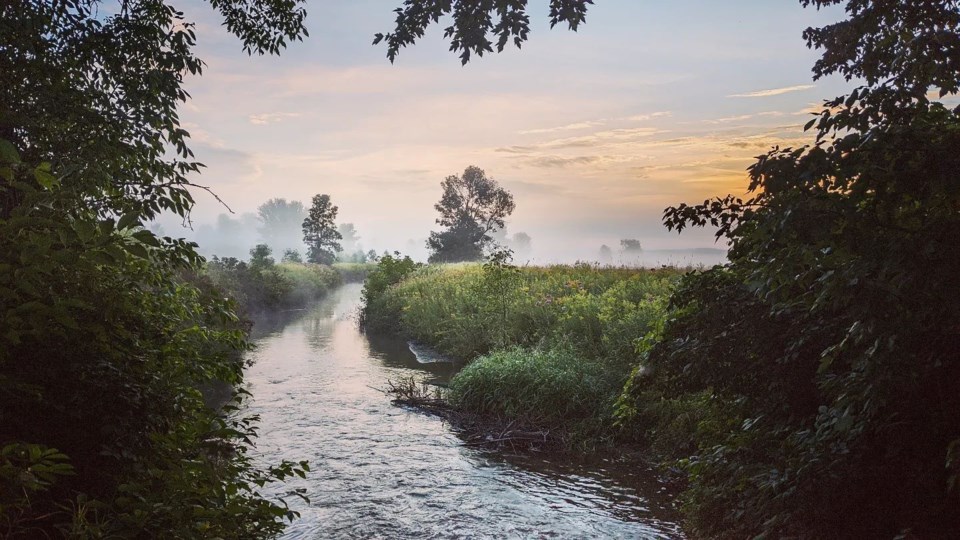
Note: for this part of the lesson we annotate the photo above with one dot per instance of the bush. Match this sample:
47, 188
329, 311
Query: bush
379, 312
553, 388
104, 429
266, 286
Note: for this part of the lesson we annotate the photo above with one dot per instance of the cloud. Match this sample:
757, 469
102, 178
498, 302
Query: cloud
745, 117
773, 91
577, 125
534, 188
515, 149
651, 116
270, 118
600, 138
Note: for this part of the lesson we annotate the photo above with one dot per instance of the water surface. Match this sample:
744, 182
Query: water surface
382, 471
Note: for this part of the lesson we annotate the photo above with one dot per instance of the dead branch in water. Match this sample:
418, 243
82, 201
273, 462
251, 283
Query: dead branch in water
476, 430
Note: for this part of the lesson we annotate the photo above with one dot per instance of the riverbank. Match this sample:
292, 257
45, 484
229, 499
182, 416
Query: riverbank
378, 470
549, 348
265, 286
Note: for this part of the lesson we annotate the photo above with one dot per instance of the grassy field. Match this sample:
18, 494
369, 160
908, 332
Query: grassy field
550, 346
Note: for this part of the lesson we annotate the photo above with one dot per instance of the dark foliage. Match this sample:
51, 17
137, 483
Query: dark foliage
473, 23
390, 270
106, 333
835, 327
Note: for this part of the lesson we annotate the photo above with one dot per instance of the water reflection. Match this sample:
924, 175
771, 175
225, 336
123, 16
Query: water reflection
381, 471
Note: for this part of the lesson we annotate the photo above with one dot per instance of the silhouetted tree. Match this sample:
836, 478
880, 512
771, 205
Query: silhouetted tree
521, 244
471, 207
320, 233
630, 246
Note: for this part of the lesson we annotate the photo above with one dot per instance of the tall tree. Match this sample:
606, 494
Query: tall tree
834, 328
320, 231
471, 207
281, 224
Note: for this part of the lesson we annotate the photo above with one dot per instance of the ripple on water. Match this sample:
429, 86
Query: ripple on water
380, 471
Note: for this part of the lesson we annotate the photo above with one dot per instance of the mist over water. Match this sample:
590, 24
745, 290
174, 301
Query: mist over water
234, 236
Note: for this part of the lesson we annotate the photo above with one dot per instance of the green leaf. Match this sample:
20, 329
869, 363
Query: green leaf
85, 230
127, 221
137, 250
44, 177
8, 152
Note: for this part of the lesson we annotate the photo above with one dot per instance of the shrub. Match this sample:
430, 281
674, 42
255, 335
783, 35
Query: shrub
379, 313
553, 388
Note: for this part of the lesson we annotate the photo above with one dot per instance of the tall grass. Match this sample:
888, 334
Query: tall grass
272, 286
550, 345
352, 272
550, 388
469, 310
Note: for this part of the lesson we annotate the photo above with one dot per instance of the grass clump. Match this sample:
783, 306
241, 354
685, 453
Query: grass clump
551, 388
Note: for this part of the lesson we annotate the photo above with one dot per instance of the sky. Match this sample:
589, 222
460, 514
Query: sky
650, 104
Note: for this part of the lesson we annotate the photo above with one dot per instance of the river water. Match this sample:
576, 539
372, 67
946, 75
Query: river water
382, 471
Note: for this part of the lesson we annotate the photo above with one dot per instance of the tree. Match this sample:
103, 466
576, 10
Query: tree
320, 233
630, 246
836, 317
281, 223
521, 245
630, 252
260, 258
471, 207
605, 254
349, 235
473, 23
292, 255
107, 332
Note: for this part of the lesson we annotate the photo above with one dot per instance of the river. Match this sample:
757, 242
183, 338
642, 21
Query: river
383, 471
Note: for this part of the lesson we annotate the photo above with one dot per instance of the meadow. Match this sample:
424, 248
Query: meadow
550, 347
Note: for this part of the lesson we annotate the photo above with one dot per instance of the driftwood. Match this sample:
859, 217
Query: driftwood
476, 430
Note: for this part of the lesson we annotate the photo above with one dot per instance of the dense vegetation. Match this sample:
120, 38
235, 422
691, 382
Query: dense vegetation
260, 284
353, 272
107, 334
553, 345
